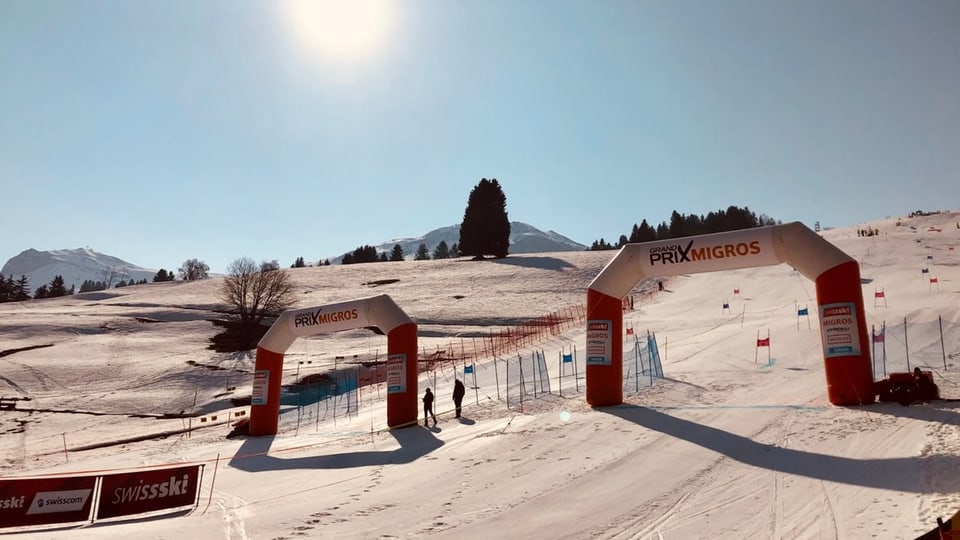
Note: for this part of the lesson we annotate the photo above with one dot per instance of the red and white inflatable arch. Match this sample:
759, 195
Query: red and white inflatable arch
843, 326
379, 311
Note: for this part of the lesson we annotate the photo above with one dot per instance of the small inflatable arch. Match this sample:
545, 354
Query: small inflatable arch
843, 326
379, 311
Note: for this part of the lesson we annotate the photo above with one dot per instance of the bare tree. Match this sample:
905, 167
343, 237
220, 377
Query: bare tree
193, 270
109, 275
256, 291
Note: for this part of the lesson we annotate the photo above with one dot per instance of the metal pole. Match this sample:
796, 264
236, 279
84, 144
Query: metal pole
906, 342
560, 371
883, 331
943, 351
533, 358
636, 361
576, 373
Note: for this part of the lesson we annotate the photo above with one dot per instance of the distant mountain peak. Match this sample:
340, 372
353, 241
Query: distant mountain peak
74, 265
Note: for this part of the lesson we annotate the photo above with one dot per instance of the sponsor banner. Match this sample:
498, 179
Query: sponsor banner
124, 494
41, 501
261, 387
708, 253
329, 318
397, 373
838, 326
600, 343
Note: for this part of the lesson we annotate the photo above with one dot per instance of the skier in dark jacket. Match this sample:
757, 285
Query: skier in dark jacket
458, 391
428, 407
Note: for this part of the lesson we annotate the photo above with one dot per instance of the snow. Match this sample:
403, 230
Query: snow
725, 446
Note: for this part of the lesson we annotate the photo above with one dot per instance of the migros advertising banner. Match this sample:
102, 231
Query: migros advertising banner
708, 253
147, 491
40, 501
329, 318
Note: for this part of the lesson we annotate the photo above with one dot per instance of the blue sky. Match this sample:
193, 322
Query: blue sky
160, 131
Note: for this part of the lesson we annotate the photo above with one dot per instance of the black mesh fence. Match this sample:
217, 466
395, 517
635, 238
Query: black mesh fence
903, 345
527, 377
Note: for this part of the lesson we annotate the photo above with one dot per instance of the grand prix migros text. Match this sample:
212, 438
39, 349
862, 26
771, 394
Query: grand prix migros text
676, 253
319, 317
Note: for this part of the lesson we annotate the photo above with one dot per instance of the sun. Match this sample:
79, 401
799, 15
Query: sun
339, 30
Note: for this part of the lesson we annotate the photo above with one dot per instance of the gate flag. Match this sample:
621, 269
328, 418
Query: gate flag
764, 342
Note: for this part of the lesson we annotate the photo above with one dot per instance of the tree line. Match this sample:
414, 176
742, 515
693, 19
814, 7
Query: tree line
366, 254
18, 290
732, 219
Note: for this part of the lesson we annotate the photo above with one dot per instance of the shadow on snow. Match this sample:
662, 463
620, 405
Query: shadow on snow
898, 474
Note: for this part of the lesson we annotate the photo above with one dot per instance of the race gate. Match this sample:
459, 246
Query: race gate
843, 326
377, 311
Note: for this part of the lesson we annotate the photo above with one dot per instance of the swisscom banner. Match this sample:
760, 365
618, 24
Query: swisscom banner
40, 501
147, 491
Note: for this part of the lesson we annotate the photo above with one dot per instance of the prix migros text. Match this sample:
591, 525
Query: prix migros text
319, 317
678, 253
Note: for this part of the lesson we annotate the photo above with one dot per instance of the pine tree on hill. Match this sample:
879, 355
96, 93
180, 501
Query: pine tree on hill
41, 293
441, 251
485, 229
422, 254
57, 287
21, 289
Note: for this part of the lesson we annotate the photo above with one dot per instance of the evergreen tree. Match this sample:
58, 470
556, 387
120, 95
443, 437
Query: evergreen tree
90, 285
677, 228
455, 250
299, 263
600, 245
362, 254
441, 251
163, 275
57, 287
21, 289
422, 254
643, 233
41, 293
383, 257
5, 287
397, 253
326, 262
485, 229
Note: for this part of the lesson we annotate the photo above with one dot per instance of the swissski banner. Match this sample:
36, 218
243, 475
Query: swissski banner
147, 491
40, 501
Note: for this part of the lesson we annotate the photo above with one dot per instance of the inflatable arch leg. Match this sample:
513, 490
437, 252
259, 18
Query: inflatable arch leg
402, 404
849, 375
604, 374
265, 417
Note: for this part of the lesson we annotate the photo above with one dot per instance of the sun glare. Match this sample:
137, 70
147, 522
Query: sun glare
339, 30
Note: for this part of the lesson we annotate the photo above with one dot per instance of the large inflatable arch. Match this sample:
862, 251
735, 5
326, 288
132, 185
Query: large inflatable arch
377, 311
843, 326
